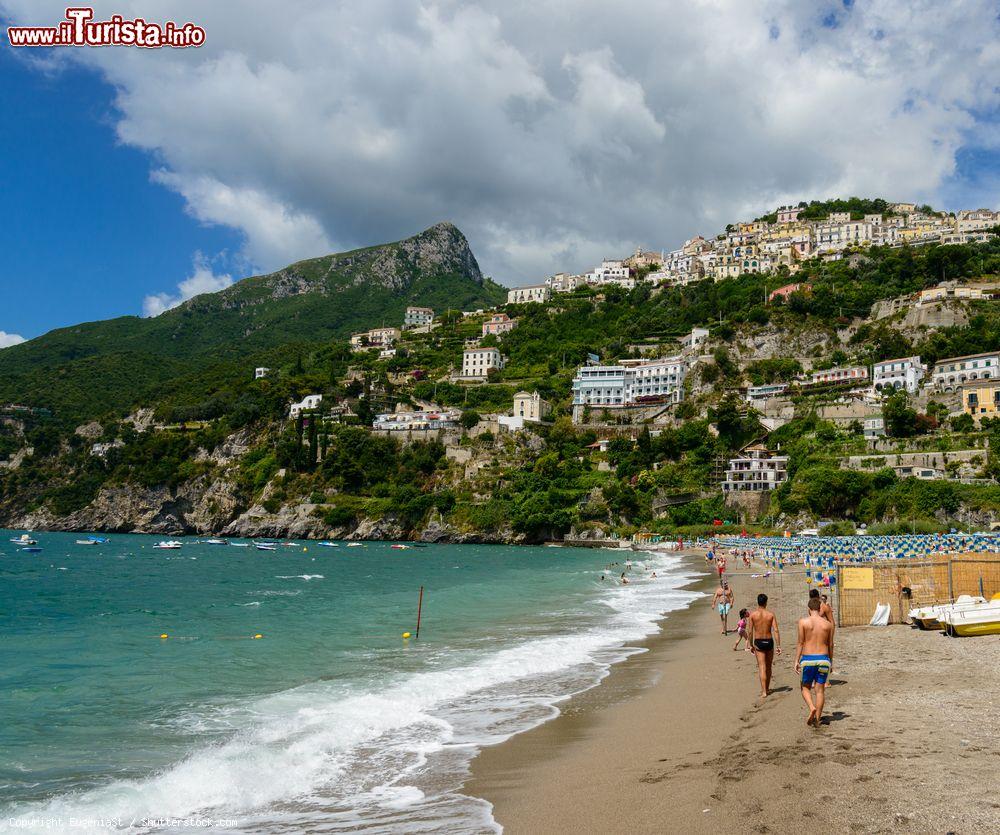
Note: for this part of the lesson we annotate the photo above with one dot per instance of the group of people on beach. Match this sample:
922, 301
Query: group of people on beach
759, 629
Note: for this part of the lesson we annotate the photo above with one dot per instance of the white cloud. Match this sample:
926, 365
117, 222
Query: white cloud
551, 138
201, 280
8, 339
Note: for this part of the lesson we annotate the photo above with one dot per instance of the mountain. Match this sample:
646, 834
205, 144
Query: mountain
90, 369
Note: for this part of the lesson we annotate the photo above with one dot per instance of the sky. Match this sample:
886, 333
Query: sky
554, 133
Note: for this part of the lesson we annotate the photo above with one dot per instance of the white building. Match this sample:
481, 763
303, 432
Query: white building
261, 372
308, 403
477, 362
416, 317
376, 337
874, 427
905, 373
630, 383
756, 469
755, 394
565, 283
612, 272
952, 372
409, 421
530, 406
533, 293
695, 339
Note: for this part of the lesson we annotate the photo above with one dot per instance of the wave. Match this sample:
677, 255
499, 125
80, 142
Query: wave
393, 757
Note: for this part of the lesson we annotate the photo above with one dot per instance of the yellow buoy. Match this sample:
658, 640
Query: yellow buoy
305, 549
406, 634
258, 635
164, 635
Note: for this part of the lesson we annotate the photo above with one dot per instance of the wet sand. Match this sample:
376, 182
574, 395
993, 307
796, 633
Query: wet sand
676, 739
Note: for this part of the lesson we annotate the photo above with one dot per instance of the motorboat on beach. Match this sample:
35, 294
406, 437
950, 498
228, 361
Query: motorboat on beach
168, 545
931, 617
979, 619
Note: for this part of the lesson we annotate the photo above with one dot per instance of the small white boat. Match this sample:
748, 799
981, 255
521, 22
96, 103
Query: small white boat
353, 544
24, 539
86, 542
932, 617
400, 547
328, 544
265, 546
290, 544
216, 541
239, 544
168, 545
980, 619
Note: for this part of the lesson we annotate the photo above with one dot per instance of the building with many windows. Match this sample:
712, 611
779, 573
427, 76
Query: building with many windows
532, 293
981, 398
953, 372
375, 338
756, 469
851, 374
499, 323
905, 373
530, 406
477, 362
416, 317
629, 383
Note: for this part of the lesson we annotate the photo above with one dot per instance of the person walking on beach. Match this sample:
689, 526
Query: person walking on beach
825, 610
765, 639
741, 631
814, 659
722, 603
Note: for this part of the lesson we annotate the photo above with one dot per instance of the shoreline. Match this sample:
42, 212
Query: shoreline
675, 738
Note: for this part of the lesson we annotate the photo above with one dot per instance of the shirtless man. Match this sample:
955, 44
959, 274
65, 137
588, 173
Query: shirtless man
764, 640
814, 659
722, 603
825, 609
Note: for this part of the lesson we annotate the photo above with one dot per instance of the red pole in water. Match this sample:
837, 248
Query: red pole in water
420, 605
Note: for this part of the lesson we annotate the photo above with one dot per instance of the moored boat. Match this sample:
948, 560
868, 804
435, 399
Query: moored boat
168, 545
24, 539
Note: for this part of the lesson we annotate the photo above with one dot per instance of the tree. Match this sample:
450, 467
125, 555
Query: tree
900, 420
469, 419
963, 423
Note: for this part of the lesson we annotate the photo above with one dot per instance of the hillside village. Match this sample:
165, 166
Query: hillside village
767, 376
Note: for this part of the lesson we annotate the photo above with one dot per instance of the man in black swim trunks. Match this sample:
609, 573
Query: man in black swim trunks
762, 630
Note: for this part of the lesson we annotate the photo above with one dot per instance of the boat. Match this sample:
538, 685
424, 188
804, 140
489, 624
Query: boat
216, 541
265, 546
31, 549
931, 617
353, 544
239, 544
86, 542
168, 545
328, 544
981, 619
290, 544
400, 547
24, 539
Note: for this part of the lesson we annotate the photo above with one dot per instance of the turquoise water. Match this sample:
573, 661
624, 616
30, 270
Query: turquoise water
330, 720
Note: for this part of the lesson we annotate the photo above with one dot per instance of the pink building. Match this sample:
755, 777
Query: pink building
787, 290
499, 323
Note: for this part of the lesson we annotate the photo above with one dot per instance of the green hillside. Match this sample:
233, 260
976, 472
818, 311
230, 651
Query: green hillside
91, 369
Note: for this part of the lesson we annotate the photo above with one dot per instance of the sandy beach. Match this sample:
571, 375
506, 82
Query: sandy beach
676, 739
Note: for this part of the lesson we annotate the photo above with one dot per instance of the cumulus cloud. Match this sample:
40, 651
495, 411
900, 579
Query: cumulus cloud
201, 280
551, 139
8, 339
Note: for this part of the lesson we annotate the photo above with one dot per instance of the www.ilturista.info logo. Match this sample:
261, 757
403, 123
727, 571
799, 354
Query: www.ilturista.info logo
80, 29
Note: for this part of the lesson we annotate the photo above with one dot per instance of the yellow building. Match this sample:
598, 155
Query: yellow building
981, 398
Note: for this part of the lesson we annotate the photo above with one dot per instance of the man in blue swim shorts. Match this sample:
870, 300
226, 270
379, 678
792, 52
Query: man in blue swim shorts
814, 659
722, 602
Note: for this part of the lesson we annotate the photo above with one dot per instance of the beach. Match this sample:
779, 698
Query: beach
676, 740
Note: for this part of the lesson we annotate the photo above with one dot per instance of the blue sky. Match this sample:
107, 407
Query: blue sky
132, 179
84, 233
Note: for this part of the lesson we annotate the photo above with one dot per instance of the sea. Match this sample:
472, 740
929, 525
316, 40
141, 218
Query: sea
219, 688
